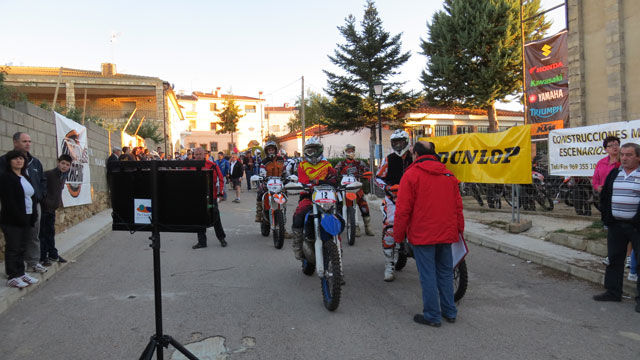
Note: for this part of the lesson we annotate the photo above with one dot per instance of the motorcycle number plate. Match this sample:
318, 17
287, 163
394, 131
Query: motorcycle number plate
346, 180
324, 196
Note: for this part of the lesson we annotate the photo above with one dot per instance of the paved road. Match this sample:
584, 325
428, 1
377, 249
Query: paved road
251, 301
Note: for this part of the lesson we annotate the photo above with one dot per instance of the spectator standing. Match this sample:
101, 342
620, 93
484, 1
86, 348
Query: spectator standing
248, 167
17, 216
55, 182
429, 214
235, 175
127, 153
115, 154
22, 142
223, 164
620, 205
218, 190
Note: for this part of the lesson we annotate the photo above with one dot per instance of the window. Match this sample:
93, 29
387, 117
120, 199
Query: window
192, 145
443, 130
275, 128
213, 107
483, 129
266, 116
250, 108
192, 125
214, 126
464, 130
231, 146
203, 146
213, 146
504, 128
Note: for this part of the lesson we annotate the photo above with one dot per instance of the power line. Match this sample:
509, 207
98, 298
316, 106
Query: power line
284, 87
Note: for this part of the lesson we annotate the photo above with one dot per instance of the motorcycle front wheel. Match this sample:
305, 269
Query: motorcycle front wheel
278, 230
332, 279
460, 280
351, 225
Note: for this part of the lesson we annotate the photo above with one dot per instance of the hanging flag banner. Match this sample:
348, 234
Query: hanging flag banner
547, 83
493, 158
576, 151
72, 140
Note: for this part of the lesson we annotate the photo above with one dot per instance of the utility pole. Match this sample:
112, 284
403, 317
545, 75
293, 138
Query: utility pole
302, 113
524, 74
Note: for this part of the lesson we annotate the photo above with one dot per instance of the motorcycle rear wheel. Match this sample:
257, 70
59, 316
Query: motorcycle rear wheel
278, 230
460, 281
330, 282
402, 257
351, 226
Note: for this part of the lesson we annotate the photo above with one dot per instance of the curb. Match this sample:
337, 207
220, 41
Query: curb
71, 244
593, 276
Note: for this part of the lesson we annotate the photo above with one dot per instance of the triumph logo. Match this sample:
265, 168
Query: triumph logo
546, 96
546, 50
545, 112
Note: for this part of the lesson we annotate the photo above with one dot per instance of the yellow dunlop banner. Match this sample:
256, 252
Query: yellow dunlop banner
495, 158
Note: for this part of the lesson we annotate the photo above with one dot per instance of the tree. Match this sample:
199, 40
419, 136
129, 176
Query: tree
314, 105
474, 52
8, 95
368, 55
147, 130
229, 118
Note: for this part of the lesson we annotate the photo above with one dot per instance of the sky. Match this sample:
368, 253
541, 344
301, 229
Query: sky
242, 46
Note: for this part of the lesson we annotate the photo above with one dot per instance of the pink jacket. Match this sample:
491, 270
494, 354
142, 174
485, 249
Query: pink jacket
603, 168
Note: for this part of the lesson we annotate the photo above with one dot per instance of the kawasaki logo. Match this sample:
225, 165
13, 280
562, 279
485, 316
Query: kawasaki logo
545, 68
552, 80
546, 50
545, 112
546, 96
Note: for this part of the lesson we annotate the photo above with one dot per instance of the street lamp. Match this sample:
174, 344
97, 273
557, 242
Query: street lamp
378, 89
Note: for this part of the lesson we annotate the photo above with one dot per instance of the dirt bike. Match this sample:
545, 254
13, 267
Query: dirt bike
274, 211
347, 201
321, 246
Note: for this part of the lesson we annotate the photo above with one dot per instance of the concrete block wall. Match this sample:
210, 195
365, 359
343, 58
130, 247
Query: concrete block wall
40, 125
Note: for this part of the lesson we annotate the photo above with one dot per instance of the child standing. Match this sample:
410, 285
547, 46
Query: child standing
53, 200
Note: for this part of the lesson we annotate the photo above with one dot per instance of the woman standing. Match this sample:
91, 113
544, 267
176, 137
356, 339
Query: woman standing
17, 217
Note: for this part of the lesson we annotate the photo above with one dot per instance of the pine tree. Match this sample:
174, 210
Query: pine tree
368, 55
474, 52
314, 105
229, 118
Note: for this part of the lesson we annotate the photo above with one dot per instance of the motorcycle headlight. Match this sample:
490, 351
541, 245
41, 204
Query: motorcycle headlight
274, 187
326, 206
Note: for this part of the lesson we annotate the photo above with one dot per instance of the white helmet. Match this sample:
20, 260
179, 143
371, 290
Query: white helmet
313, 149
400, 142
283, 152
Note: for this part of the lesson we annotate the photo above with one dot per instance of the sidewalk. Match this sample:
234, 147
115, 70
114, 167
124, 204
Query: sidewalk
71, 244
531, 245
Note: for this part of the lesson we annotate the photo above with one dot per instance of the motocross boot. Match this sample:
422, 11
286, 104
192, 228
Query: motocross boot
287, 235
367, 226
358, 232
389, 264
296, 244
258, 211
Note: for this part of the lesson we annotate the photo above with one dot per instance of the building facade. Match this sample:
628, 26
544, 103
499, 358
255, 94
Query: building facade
277, 118
604, 61
202, 109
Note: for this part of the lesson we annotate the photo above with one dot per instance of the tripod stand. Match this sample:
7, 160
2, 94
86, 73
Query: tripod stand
159, 340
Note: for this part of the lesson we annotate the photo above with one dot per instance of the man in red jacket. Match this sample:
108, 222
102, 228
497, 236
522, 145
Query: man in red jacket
429, 214
218, 191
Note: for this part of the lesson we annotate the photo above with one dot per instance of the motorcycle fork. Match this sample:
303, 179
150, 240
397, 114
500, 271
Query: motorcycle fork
318, 243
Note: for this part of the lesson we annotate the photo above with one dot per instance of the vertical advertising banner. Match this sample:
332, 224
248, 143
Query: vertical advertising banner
547, 84
72, 140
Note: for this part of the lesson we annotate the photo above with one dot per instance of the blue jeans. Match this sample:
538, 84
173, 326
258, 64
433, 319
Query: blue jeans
634, 263
435, 266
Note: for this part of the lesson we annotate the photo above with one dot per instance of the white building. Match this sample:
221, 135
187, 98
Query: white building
201, 111
276, 118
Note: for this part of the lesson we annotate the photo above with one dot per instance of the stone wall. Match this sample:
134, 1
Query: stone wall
40, 125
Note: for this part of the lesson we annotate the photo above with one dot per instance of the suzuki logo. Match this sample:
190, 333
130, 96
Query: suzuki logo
546, 50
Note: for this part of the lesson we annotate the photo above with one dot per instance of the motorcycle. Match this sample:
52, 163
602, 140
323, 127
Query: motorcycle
321, 248
349, 207
274, 211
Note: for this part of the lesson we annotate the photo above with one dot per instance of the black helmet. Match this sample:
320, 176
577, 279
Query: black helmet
271, 145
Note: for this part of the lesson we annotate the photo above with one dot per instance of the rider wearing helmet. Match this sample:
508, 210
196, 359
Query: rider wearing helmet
354, 167
272, 165
388, 178
292, 163
312, 170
